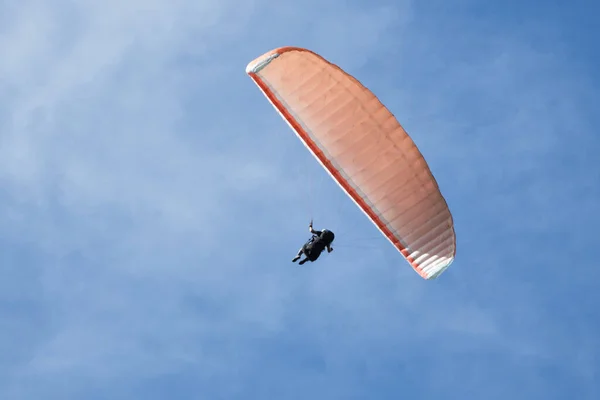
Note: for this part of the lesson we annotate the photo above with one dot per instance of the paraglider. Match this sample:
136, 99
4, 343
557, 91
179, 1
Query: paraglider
319, 241
366, 151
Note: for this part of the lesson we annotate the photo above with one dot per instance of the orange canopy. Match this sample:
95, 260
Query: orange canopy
365, 149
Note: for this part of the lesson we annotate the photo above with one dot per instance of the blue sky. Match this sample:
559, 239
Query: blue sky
151, 201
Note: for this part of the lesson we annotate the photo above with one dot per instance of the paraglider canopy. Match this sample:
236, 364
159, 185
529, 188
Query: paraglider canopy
365, 149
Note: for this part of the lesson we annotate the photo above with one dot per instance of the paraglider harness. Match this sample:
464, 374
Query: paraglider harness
322, 238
